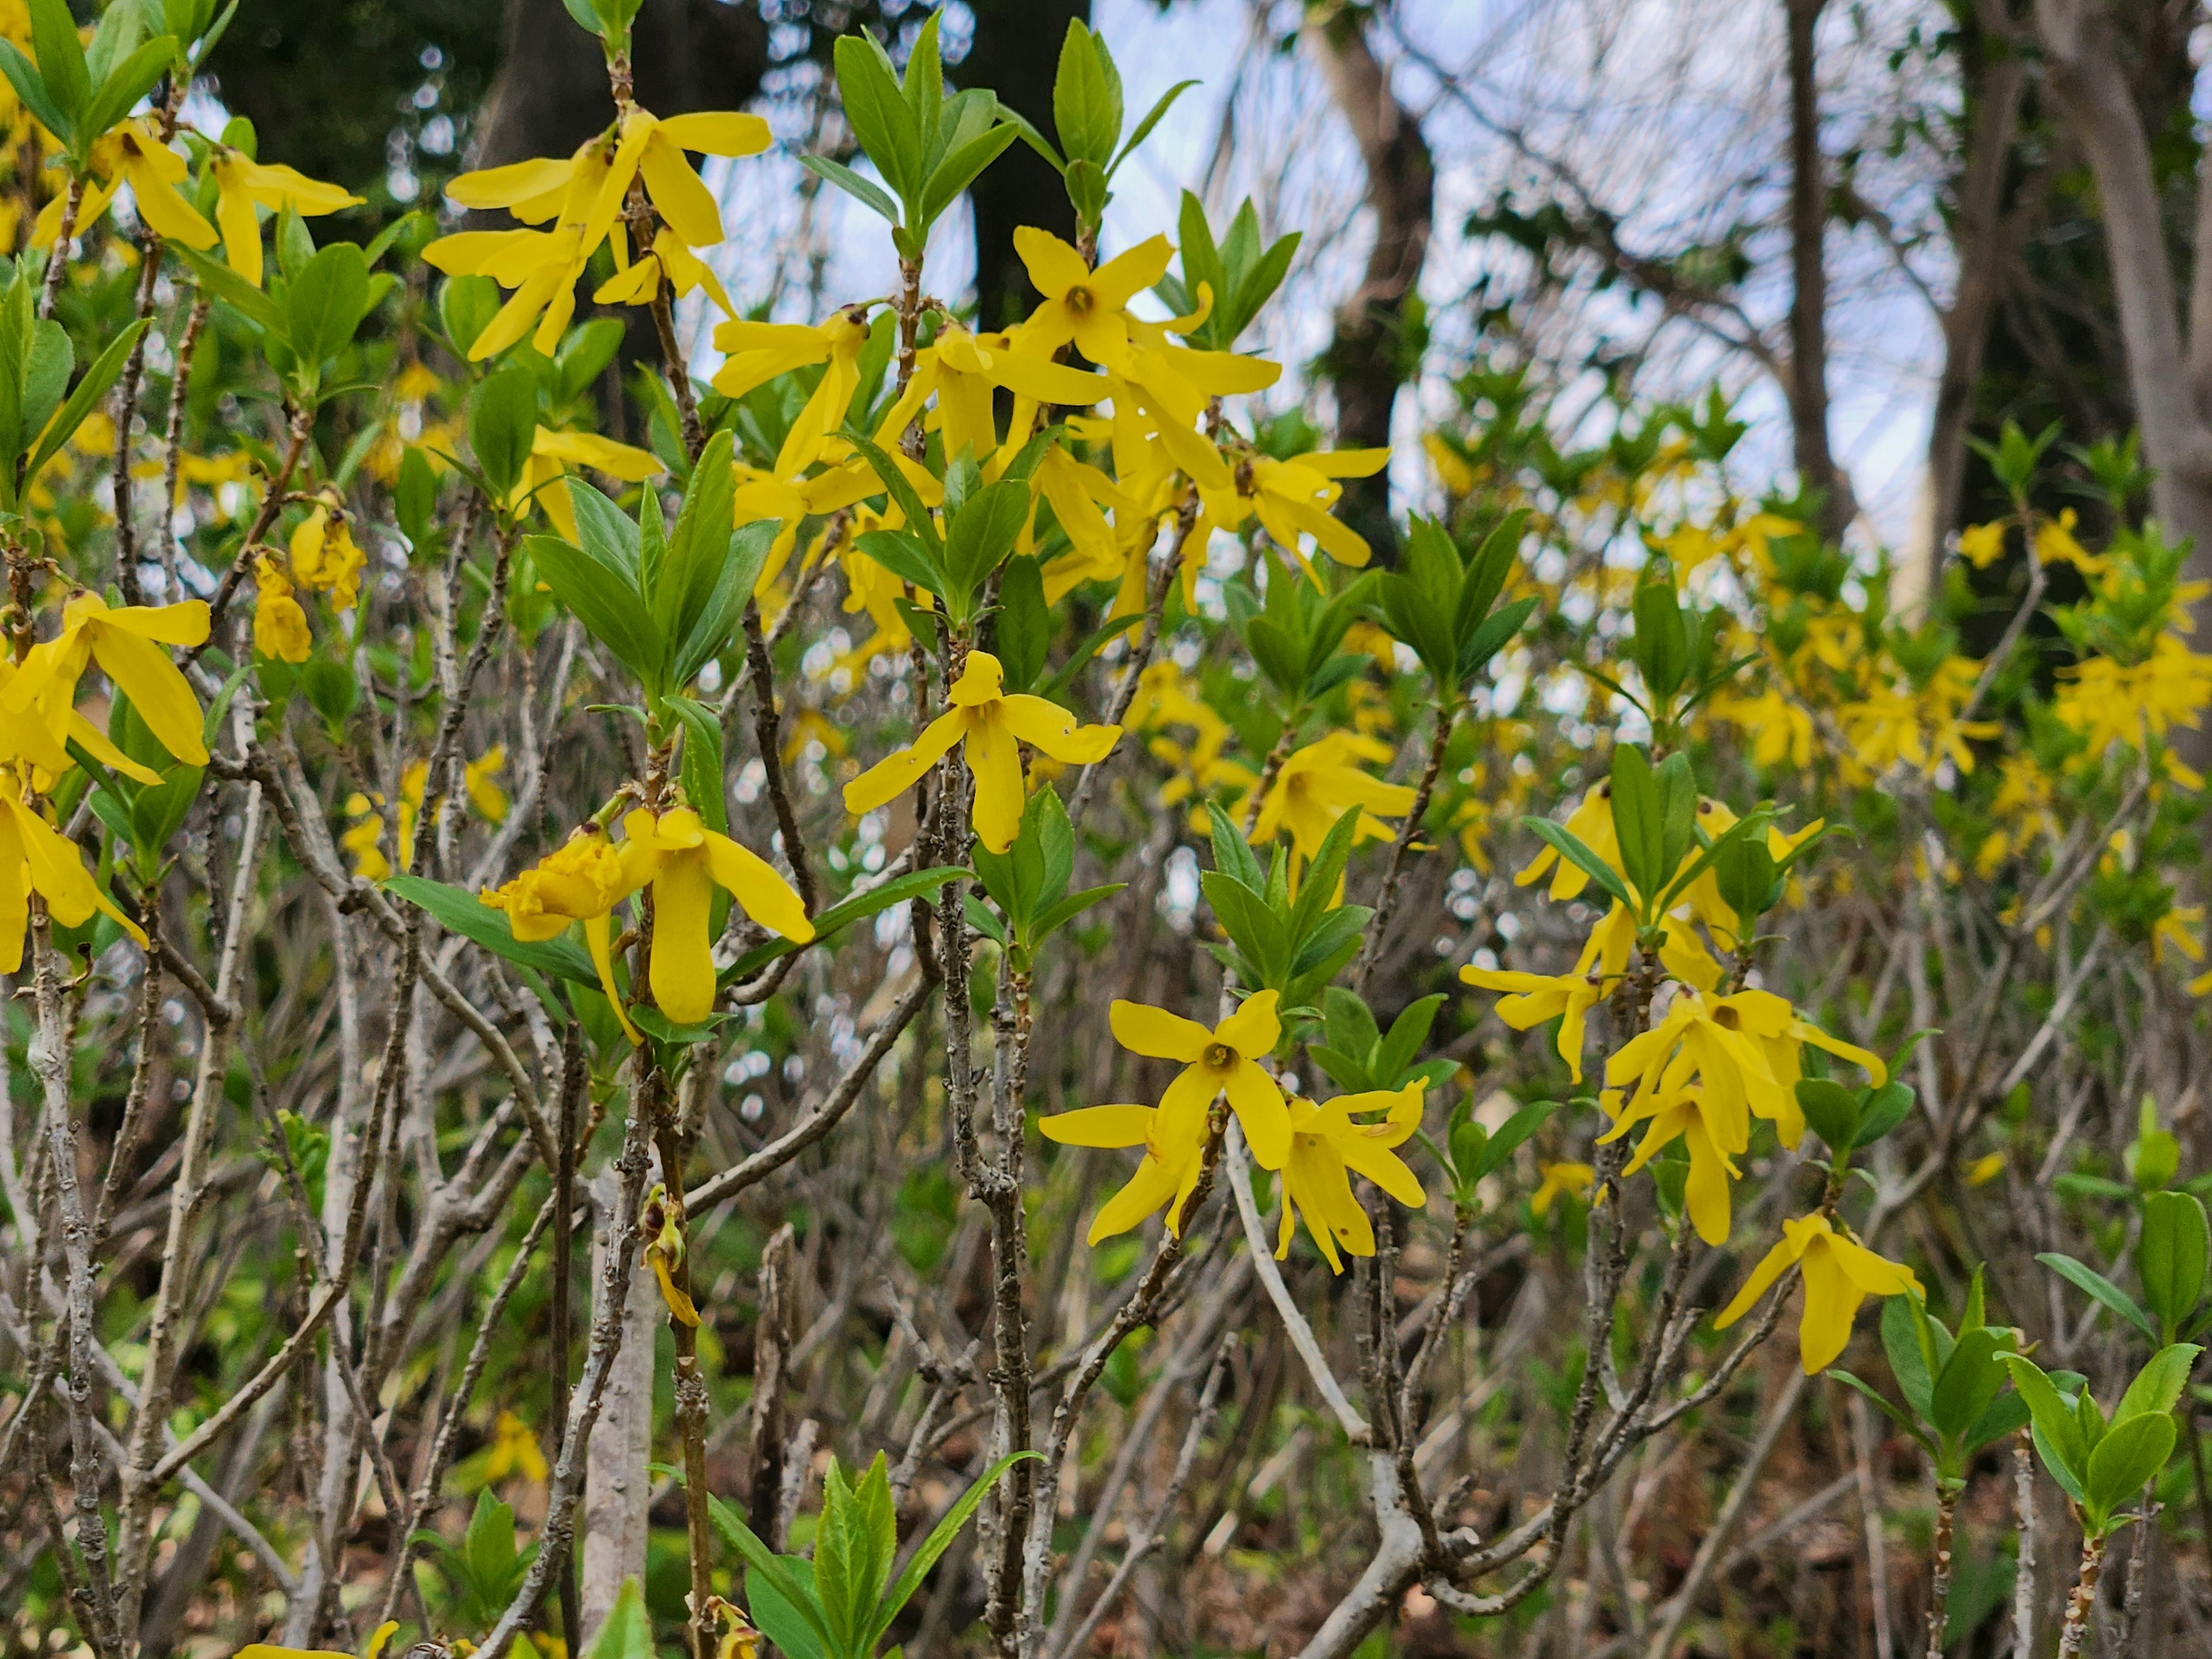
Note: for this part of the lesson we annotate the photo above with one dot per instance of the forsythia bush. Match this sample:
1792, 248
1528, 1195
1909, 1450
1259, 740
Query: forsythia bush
435, 831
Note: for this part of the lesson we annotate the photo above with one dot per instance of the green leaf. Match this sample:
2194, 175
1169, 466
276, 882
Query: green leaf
1055, 917
502, 425
1662, 644
916, 884
698, 546
460, 911
627, 1631
1025, 624
1570, 847
1511, 1133
1832, 1109
1638, 821
31, 87
869, 195
717, 626
957, 170
61, 65
128, 82
772, 1569
1086, 99
877, 111
2059, 1439
2158, 1385
2171, 1257
940, 1540
1889, 1410
1884, 1108
597, 596
2007, 1415
1910, 1358
1143, 131
703, 763
1971, 1378
2101, 1288
325, 305
87, 396
2126, 1460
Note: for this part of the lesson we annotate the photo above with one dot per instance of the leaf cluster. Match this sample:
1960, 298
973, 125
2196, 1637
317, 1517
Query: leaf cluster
1239, 272
1954, 1384
1087, 115
926, 147
1439, 603
1289, 942
2101, 1462
1029, 882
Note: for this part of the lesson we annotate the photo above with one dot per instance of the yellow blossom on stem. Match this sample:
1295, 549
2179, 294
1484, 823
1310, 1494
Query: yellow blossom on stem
1321, 782
760, 352
554, 455
653, 149
244, 184
1331, 1142
126, 642
1082, 306
990, 724
685, 861
664, 1254
1224, 1061
1840, 1273
37, 858
280, 625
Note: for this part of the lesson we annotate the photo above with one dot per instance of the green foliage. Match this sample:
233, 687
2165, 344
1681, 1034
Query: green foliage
927, 148
1359, 1058
982, 524
1087, 116
1473, 1152
1440, 605
1239, 273
838, 1605
2103, 1463
608, 19
1291, 943
1029, 882
484, 1572
1293, 634
665, 603
36, 360
1954, 1385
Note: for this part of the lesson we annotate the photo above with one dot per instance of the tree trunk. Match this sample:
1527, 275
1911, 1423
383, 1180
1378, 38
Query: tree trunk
1015, 54
1817, 470
1378, 330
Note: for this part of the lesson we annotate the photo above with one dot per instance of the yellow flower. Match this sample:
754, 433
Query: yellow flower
1081, 306
37, 858
1980, 544
685, 270
2055, 545
1328, 1145
135, 154
325, 559
1533, 998
741, 1640
279, 626
760, 352
1840, 1273
364, 837
244, 184
1985, 1168
990, 724
1320, 783
126, 643
541, 266
477, 777
1711, 1136
554, 454
685, 861
1225, 1060
514, 1450
1174, 1142
1292, 498
265, 1651
1560, 1181
1744, 1047
581, 880
2109, 702
653, 149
